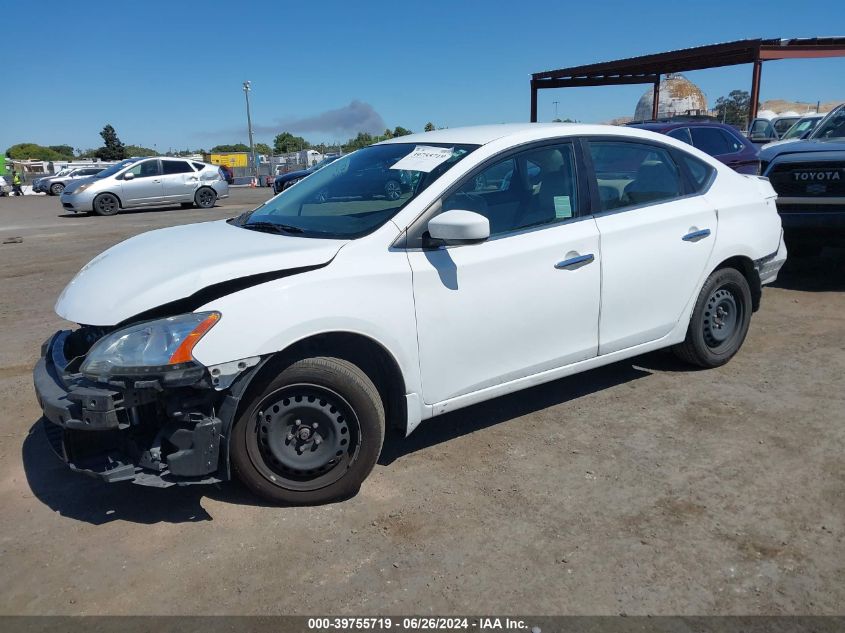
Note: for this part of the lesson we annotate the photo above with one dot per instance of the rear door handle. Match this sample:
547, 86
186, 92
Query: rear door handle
572, 262
696, 235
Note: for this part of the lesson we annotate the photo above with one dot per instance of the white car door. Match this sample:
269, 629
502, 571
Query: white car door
144, 187
179, 180
524, 301
657, 234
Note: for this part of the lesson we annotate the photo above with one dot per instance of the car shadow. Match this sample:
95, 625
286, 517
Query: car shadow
90, 500
450, 426
137, 210
822, 273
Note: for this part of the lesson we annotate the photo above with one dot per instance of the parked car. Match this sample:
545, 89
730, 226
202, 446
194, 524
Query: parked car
802, 127
721, 141
277, 346
809, 177
357, 178
283, 181
764, 130
5, 188
228, 174
55, 184
141, 182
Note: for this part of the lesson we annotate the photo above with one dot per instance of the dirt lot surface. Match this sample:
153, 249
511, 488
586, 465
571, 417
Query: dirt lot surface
641, 488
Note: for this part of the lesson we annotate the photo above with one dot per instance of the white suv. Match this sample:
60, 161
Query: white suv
278, 345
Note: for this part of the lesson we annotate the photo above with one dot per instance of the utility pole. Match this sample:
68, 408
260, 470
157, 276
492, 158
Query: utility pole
556, 102
249, 127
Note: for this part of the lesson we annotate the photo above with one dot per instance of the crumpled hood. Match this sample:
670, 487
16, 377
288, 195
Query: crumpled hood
155, 268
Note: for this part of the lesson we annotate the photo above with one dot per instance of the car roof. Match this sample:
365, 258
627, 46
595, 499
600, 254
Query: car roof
672, 125
516, 132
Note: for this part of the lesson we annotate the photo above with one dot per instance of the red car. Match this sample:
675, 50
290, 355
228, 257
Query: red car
723, 142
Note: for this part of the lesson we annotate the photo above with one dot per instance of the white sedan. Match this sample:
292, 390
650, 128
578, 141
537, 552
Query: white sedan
404, 280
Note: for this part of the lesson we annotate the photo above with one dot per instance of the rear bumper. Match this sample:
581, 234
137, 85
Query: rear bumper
768, 267
141, 432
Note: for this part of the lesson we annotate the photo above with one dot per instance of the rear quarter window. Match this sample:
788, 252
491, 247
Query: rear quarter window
700, 172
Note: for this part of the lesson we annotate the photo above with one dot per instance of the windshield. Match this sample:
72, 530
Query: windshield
832, 126
64, 172
802, 126
111, 171
357, 193
783, 124
324, 162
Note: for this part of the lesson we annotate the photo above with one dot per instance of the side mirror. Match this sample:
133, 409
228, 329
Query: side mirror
459, 227
128, 175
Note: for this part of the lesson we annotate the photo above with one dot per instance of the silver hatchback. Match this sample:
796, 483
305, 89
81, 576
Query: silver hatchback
143, 182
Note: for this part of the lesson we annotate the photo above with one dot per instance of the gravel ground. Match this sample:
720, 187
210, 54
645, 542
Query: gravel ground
639, 488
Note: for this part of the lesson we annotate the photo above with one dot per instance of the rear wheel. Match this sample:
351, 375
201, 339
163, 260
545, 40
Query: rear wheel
719, 321
312, 435
56, 188
205, 198
106, 204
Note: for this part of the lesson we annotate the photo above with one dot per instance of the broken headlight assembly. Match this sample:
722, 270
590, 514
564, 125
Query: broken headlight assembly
153, 347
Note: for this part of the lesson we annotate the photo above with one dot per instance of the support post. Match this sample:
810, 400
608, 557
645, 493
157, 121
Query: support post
533, 101
755, 91
655, 98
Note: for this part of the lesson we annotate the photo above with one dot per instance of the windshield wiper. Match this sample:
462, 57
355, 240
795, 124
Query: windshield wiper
272, 227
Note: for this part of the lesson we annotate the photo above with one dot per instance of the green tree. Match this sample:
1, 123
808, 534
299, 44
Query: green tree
429, 127
388, 133
64, 150
27, 151
225, 149
137, 150
401, 131
263, 148
734, 108
361, 140
286, 143
112, 148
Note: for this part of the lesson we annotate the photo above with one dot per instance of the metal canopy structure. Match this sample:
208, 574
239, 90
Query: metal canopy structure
647, 69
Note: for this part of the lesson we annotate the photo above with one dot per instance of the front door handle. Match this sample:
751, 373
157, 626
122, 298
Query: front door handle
575, 262
696, 235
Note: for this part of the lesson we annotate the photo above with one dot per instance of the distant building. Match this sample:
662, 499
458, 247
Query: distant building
678, 96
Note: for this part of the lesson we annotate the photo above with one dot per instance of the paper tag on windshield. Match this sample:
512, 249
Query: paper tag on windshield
424, 158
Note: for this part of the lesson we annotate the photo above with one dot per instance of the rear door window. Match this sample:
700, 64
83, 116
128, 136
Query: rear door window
682, 134
634, 174
713, 141
176, 167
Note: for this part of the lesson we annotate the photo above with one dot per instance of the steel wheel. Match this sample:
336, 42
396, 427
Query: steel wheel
721, 318
304, 437
106, 204
393, 190
719, 321
56, 188
205, 198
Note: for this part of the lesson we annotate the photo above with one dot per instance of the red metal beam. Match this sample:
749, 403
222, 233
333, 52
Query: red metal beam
574, 82
800, 52
755, 91
655, 98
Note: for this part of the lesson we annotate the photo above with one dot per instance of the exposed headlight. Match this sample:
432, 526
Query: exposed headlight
81, 188
290, 183
148, 347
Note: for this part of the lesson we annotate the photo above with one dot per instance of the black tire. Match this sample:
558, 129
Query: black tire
56, 189
719, 322
205, 197
275, 451
106, 204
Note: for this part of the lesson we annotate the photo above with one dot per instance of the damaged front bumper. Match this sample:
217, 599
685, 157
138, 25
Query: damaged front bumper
152, 430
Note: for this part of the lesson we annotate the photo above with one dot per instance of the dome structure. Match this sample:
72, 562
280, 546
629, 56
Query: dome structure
678, 95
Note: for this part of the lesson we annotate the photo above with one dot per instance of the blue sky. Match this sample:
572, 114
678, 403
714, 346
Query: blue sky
169, 74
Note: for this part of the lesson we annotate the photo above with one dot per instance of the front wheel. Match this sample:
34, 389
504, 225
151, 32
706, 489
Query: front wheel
106, 204
56, 188
205, 198
310, 436
719, 321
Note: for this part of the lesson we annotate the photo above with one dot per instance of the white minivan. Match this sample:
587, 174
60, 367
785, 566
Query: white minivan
407, 279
